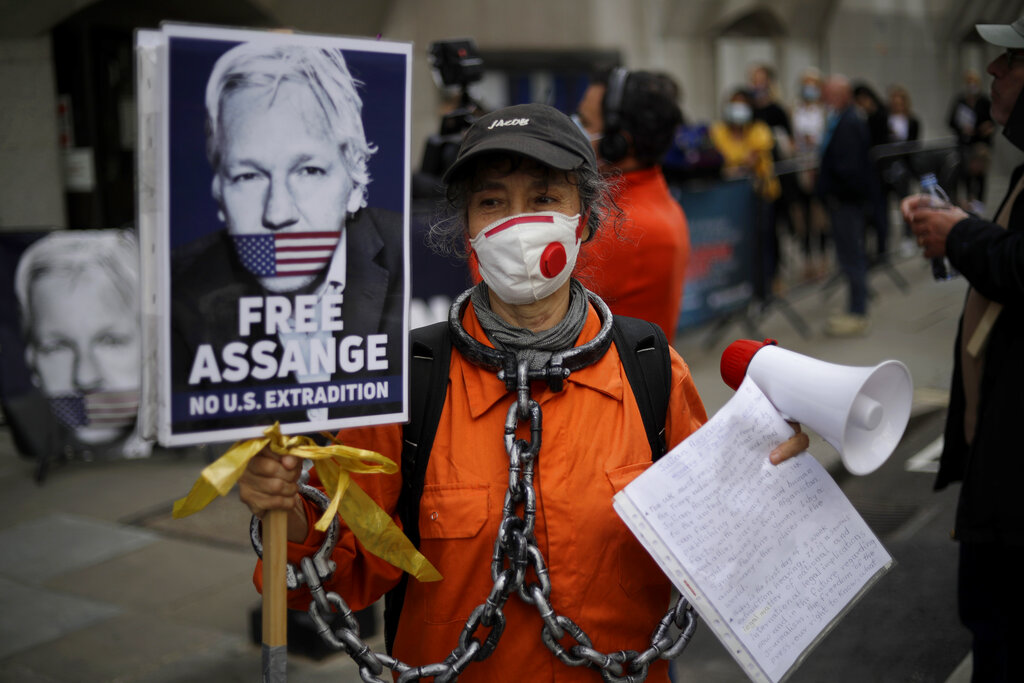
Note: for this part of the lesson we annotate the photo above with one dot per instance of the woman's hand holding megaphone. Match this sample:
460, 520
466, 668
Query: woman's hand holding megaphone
734, 367
794, 445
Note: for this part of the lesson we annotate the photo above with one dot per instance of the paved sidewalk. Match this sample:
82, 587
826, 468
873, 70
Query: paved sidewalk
98, 583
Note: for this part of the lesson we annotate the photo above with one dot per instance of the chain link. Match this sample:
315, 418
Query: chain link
515, 551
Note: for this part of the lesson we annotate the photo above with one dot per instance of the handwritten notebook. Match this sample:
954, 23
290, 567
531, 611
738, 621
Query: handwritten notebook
771, 557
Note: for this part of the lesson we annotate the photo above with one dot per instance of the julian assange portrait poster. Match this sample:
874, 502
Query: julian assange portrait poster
71, 340
274, 186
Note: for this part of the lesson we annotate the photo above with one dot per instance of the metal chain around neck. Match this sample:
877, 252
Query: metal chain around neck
515, 551
504, 363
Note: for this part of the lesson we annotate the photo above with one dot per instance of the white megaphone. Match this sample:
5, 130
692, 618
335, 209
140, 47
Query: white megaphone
861, 411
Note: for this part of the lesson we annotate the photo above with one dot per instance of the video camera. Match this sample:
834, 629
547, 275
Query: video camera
454, 62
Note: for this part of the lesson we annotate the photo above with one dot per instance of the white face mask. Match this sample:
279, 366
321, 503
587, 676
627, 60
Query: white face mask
527, 257
738, 113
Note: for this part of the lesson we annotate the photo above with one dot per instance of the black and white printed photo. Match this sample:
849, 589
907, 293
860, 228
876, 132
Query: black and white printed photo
78, 315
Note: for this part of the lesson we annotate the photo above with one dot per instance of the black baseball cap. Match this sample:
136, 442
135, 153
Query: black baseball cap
1003, 35
537, 131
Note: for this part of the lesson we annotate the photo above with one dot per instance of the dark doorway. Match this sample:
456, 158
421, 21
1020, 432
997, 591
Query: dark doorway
95, 72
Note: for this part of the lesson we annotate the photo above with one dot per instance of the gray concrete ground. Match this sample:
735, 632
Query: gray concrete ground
98, 583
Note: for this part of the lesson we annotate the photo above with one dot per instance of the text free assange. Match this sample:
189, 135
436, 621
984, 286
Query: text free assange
300, 355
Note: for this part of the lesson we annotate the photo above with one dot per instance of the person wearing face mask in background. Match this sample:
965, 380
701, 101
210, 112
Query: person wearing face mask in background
970, 119
639, 269
807, 211
746, 147
981, 445
524, 193
847, 185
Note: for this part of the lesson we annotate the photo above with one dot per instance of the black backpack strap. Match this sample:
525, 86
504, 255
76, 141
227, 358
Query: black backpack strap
431, 350
645, 357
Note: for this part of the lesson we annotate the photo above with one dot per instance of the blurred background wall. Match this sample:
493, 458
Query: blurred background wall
67, 86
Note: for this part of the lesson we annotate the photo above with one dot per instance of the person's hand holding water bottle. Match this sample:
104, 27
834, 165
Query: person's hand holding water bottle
930, 218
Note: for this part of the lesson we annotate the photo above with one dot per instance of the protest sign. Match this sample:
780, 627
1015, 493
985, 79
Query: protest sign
273, 208
69, 330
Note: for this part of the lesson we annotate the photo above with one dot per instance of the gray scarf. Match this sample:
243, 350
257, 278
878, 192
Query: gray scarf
536, 348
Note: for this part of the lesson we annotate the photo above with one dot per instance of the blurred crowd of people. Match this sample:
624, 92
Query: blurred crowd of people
828, 170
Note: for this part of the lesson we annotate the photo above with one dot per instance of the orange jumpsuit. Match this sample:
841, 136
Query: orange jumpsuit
593, 444
641, 271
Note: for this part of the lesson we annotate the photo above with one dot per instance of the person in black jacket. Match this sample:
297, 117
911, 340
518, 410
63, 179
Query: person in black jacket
982, 447
767, 108
904, 133
970, 119
875, 113
845, 180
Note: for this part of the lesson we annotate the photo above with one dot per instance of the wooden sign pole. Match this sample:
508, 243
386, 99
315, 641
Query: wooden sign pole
275, 596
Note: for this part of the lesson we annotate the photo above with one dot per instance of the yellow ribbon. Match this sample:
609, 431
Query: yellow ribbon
371, 525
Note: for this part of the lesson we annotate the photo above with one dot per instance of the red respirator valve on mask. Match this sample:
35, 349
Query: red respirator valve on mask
553, 260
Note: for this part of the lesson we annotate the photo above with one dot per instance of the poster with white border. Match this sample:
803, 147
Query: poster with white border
274, 218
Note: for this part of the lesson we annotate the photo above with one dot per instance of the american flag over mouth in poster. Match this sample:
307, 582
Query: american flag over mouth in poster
273, 211
299, 253
99, 409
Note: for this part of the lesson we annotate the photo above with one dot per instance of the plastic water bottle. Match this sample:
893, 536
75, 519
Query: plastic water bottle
941, 268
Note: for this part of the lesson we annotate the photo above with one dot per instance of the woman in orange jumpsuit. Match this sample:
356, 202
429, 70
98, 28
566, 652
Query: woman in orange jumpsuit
526, 192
